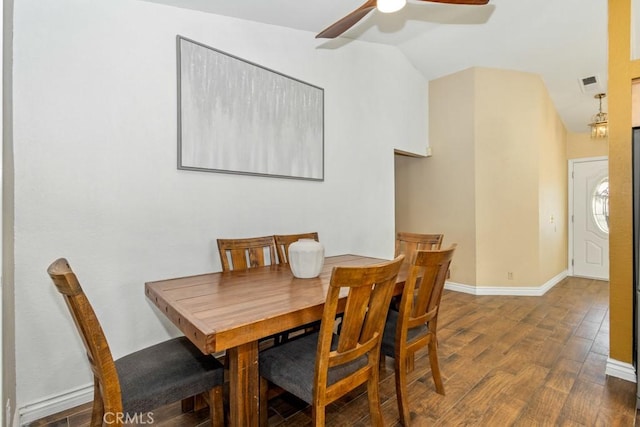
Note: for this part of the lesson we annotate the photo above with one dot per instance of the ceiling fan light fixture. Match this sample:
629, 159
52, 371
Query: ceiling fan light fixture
386, 6
390, 6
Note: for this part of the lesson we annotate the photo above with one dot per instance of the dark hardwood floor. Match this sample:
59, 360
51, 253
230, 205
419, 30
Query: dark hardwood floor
505, 360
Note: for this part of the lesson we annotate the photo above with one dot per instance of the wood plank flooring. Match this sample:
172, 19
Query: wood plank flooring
505, 361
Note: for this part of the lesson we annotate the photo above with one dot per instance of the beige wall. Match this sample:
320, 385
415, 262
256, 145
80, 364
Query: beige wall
497, 176
437, 194
553, 196
635, 101
581, 145
621, 72
506, 178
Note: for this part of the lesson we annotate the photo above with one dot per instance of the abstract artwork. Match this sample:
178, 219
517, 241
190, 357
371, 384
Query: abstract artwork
238, 117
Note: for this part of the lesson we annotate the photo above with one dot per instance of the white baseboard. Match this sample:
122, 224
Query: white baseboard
54, 404
621, 370
531, 291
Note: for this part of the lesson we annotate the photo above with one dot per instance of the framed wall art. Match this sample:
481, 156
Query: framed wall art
238, 117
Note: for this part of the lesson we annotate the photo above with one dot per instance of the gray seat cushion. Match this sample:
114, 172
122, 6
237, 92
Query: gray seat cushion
167, 372
389, 337
292, 366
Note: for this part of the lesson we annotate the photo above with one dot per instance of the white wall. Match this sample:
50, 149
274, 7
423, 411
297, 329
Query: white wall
96, 178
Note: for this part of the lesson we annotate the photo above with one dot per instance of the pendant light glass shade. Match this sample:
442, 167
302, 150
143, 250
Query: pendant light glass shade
389, 6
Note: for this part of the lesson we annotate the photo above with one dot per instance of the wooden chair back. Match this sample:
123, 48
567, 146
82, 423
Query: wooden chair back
98, 352
369, 294
423, 289
283, 241
241, 254
409, 243
416, 321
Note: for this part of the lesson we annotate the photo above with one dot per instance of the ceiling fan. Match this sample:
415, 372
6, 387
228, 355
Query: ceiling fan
386, 6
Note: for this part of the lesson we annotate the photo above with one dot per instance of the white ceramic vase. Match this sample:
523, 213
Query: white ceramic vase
306, 258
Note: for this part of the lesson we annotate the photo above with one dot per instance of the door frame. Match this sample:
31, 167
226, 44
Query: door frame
572, 162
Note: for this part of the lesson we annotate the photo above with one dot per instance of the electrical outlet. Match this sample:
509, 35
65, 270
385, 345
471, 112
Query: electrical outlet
509, 275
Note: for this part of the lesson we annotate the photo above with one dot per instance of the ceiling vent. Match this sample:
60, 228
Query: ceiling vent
590, 84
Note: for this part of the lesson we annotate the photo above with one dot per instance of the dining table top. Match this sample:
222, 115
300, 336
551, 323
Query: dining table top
218, 311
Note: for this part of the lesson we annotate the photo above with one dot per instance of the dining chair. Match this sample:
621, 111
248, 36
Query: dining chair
241, 254
283, 241
415, 325
320, 368
409, 243
171, 371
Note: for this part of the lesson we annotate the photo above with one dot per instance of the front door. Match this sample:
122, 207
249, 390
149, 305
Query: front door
591, 219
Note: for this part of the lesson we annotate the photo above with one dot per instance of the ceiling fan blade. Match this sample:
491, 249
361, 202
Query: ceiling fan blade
473, 2
339, 27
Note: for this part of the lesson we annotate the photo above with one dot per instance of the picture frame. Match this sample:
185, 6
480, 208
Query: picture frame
238, 117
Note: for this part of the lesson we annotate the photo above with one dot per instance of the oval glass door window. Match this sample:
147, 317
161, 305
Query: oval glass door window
600, 205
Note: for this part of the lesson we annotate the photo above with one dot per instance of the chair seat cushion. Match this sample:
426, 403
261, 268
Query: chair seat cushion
292, 365
389, 337
167, 372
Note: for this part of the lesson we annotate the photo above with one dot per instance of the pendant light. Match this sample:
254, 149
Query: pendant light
599, 124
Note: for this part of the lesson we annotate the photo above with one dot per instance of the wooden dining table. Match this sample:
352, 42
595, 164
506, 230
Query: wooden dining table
231, 311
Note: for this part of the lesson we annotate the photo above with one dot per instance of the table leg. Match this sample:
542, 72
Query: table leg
244, 381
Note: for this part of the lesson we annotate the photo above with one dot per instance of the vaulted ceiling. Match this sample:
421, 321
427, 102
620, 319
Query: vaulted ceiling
563, 41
